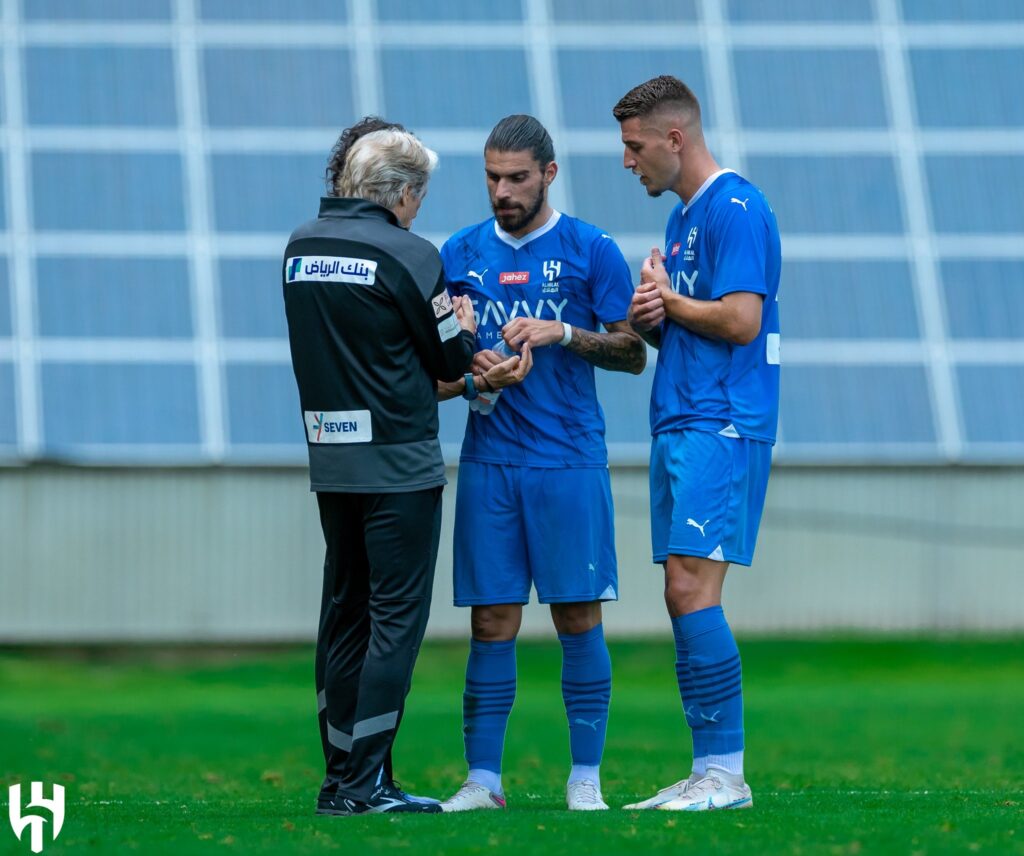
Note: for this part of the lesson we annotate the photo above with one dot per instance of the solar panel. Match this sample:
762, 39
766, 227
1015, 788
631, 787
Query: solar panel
158, 152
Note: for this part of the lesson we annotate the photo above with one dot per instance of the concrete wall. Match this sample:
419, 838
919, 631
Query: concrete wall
90, 554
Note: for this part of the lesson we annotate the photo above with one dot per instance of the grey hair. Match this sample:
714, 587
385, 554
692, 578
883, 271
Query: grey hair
382, 164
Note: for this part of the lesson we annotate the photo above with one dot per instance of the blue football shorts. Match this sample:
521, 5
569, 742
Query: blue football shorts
520, 525
707, 495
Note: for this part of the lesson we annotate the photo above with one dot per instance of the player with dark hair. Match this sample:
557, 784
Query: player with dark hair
710, 307
533, 503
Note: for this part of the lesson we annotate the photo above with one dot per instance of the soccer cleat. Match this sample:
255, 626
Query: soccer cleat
387, 799
472, 796
584, 795
666, 794
717, 790
413, 797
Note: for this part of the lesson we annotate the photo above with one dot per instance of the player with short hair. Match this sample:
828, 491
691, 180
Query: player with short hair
533, 502
710, 307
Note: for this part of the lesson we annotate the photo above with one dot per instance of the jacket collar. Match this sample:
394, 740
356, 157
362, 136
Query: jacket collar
346, 207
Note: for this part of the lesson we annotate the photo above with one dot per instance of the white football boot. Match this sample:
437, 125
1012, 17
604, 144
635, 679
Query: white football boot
584, 795
666, 794
717, 790
472, 796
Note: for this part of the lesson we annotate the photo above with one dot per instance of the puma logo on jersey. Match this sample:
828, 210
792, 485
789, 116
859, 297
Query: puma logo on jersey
479, 276
743, 203
691, 522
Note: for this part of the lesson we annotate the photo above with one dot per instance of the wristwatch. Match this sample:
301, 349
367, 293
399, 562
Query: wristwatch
470, 392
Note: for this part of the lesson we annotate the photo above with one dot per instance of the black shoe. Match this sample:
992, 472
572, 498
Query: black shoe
386, 799
326, 796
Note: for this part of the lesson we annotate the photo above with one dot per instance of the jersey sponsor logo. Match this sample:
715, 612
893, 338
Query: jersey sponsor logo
743, 204
330, 269
680, 278
442, 304
675, 248
338, 426
494, 310
478, 276
773, 349
449, 328
514, 277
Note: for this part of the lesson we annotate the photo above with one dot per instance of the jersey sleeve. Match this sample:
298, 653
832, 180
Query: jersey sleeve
611, 284
739, 247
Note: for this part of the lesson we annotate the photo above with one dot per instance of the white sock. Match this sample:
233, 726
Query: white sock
488, 778
700, 765
579, 772
731, 763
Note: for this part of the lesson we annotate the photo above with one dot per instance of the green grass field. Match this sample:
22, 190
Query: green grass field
852, 747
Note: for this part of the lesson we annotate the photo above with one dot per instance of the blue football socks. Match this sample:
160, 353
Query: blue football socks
686, 694
711, 687
586, 690
486, 705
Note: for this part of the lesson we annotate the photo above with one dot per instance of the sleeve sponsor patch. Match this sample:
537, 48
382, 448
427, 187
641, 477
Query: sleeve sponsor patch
338, 426
330, 269
442, 304
449, 328
773, 345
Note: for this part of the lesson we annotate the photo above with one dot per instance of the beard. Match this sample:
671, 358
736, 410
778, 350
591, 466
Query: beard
513, 219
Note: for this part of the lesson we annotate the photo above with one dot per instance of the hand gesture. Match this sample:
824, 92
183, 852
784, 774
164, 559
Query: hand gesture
485, 360
510, 371
520, 331
647, 308
464, 313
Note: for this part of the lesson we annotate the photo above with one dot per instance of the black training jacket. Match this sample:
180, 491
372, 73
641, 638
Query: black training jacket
371, 328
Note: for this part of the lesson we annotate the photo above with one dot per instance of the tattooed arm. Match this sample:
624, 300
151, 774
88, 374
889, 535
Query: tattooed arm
619, 350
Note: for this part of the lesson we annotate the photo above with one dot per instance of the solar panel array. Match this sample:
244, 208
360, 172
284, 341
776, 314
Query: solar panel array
156, 153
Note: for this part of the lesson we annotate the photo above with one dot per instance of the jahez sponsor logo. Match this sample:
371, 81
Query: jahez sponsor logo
514, 277
675, 248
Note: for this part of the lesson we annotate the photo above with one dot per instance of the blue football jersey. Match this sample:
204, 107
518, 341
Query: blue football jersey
566, 270
725, 240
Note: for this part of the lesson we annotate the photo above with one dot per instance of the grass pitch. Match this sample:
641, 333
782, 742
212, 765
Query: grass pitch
852, 747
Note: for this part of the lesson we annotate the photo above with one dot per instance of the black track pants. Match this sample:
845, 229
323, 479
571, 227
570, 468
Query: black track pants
378, 579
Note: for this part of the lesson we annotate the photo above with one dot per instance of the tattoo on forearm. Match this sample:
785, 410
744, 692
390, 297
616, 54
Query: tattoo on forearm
616, 350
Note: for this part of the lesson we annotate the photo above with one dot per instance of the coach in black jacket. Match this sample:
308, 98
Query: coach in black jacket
372, 330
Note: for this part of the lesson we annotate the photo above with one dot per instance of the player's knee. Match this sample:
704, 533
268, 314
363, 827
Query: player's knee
575, 618
684, 592
496, 623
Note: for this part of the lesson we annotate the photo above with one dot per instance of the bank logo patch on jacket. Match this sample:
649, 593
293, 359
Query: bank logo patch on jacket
330, 269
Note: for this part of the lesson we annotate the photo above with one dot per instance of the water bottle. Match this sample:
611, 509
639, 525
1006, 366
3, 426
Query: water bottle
486, 400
